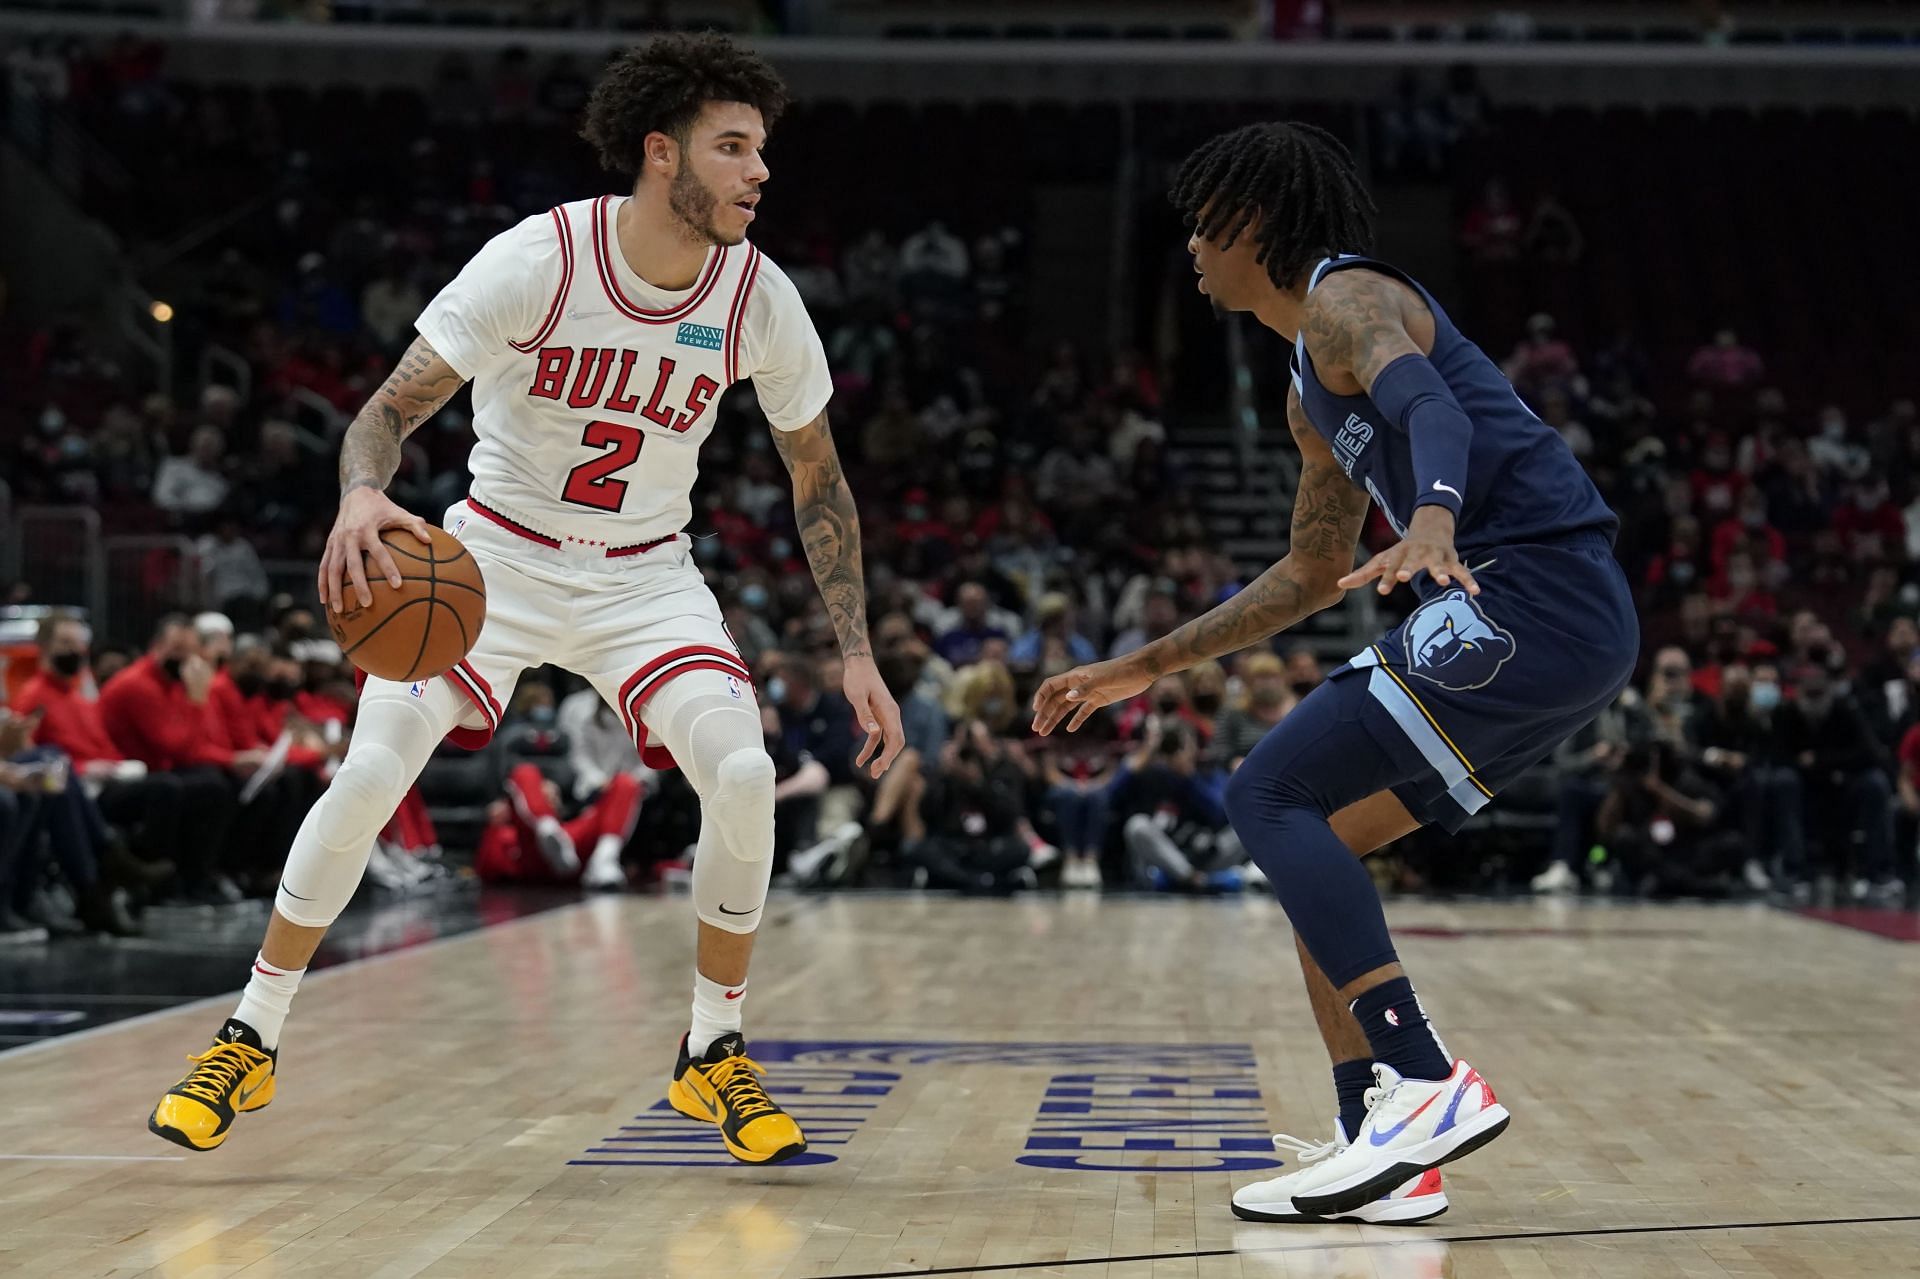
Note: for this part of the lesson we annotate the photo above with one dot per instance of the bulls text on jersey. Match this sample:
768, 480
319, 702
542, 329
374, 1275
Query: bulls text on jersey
603, 379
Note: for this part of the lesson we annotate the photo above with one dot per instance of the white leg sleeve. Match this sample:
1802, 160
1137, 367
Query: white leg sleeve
393, 735
715, 739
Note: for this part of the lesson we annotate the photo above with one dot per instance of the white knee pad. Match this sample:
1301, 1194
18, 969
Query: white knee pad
734, 861
715, 738
392, 738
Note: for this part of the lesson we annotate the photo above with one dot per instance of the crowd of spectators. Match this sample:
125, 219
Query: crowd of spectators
1773, 742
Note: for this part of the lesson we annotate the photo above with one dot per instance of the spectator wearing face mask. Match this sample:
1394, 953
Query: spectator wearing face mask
156, 711
1680, 569
1740, 755
1748, 528
814, 721
1055, 643
1849, 796
1890, 684
178, 819
1166, 698
1176, 832
1660, 825
1264, 701
1587, 764
972, 808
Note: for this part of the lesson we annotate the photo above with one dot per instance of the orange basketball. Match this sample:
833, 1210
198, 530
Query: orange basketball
429, 624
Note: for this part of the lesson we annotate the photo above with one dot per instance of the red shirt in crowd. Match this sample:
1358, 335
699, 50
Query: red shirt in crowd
1730, 532
150, 718
236, 721
253, 723
321, 709
72, 720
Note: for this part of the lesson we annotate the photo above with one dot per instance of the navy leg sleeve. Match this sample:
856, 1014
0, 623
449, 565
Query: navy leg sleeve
1315, 762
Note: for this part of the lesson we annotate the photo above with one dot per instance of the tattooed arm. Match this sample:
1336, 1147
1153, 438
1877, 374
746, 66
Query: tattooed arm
829, 528
1327, 515
369, 456
1360, 327
1356, 323
412, 393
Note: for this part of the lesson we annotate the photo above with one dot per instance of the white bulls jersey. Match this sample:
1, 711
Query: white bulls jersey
593, 390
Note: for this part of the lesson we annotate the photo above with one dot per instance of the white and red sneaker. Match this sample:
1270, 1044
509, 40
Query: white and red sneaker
1413, 1125
1420, 1199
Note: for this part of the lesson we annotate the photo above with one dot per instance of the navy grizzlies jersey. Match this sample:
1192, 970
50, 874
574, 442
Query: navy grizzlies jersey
1523, 482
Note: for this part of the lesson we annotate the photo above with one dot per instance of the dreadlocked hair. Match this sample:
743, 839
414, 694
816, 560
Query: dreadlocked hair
660, 86
1296, 181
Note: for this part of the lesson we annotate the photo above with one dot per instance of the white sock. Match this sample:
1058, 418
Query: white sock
714, 1014
606, 849
266, 1000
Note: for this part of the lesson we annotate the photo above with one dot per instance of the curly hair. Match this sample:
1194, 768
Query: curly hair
660, 86
1297, 180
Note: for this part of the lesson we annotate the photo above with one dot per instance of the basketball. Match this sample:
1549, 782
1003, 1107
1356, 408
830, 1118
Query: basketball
423, 628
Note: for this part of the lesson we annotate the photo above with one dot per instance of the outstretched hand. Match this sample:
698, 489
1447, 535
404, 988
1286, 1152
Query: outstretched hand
1427, 547
875, 711
1082, 691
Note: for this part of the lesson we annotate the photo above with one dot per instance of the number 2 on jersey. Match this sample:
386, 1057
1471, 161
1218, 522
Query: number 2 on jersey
591, 483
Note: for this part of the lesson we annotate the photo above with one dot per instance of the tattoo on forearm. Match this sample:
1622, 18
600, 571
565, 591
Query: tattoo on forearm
1270, 603
418, 386
1328, 512
829, 528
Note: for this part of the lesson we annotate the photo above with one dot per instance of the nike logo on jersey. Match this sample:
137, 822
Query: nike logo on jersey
1438, 487
586, 315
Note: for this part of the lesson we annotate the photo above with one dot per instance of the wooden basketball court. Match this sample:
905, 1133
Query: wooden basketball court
1040, 1087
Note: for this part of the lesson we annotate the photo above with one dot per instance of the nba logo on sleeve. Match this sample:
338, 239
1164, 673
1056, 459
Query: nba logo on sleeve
1452, 643
417, 689
733, 687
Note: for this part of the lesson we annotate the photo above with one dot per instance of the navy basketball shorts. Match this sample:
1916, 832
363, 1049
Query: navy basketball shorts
1471, 691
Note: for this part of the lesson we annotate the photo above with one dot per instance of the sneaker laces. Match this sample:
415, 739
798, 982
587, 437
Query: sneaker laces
218, 1070
1307, 1152
736, 1080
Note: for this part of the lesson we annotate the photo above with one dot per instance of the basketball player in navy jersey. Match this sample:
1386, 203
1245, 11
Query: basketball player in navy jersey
1524, 630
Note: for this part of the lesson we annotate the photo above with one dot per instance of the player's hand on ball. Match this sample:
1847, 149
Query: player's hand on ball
356, 538
1084, 690
875, 711
1428, 547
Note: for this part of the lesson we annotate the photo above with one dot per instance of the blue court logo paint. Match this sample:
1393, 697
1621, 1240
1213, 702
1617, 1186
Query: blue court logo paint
1128, 1121
701, 335
1143, 1108
829, 1104
1450, 642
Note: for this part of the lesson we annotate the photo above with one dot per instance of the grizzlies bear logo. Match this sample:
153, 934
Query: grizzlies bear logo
1452, 643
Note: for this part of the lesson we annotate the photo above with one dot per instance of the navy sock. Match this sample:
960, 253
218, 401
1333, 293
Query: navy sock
1351, 1079
1398, 1031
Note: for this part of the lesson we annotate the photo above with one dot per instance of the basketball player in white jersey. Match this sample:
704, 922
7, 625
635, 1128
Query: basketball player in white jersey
599, 337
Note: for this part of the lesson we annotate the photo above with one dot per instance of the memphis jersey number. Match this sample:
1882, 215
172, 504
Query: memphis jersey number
591, 483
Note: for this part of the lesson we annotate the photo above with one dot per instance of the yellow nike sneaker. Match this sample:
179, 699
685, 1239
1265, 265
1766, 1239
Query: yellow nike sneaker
233, 1076
723, 1087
